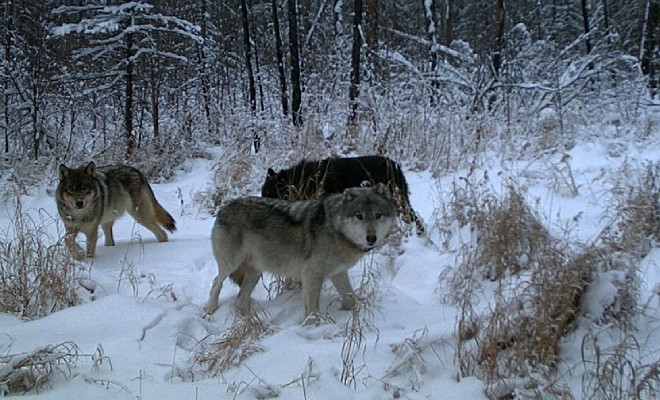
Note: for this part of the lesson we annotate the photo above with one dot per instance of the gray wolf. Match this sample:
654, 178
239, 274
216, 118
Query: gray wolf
88, 197
313, 179
308, 240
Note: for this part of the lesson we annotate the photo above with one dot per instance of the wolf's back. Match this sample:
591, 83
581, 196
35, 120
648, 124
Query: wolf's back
137, 187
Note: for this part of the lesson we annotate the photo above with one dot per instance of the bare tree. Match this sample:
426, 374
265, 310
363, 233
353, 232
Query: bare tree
649, 43
354, 89
499, 33
248, 61
296, 97
585, 21
9, 15
280, 58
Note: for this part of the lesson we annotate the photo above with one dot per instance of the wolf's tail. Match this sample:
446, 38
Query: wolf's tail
164, 218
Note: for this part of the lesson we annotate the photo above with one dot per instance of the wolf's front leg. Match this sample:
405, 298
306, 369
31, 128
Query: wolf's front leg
311, 288
343, 285
92, 237
70, 242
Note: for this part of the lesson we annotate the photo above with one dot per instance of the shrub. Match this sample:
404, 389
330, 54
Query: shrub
36, 278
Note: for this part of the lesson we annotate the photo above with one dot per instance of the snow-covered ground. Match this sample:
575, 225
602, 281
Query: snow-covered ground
146, 309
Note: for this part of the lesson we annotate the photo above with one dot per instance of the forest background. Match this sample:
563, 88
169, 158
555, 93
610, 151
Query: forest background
428, 80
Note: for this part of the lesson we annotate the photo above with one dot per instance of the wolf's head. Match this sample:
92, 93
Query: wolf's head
78, 187
367, 215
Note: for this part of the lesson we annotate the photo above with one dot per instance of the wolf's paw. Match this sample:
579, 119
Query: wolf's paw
316, 319
348, 302
209, 309
76, 252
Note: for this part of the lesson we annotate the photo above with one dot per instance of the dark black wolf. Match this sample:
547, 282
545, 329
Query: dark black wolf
314, 179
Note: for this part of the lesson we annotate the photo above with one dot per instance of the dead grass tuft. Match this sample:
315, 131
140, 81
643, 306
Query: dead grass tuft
358, 323
239, 342
509, 236
36, 278
509, 329
618, 372
232, 178
21, 373
635, 213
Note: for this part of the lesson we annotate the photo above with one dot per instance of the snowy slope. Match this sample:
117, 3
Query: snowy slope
146, 308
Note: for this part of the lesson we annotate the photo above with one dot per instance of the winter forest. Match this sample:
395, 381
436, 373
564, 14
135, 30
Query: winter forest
428, 80
529, 133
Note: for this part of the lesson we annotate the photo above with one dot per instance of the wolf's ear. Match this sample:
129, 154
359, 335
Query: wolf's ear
271, 173
382, 190
348, 195
90, 169
62, 172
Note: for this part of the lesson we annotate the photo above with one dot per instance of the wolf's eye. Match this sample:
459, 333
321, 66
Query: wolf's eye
358, 216
378, 215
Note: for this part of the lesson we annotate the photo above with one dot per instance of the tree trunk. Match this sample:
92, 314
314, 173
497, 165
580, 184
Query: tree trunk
606, 20
201, 54
448, 23
372, 37
585, 20
650, 44
430, 12
280, 58
497, 47
128, 114
354, 89
248, 62
36, 132
154, 98
9, 8
296, 96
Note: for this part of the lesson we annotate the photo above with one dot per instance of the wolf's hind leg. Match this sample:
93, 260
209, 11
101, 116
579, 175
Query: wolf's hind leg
250, 279
212, 303
225, 267
145, 216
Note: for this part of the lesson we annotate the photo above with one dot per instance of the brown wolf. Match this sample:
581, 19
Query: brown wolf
88, 197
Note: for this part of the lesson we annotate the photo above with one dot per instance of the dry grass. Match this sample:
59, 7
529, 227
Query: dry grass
513, 335
509, 235
232, 178
618, 372
359, 322
635, 213
36, 278
239, 342
409, 359
21, 373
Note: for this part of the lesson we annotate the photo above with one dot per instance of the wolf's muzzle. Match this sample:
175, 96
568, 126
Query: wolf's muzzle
79, 204
371, 240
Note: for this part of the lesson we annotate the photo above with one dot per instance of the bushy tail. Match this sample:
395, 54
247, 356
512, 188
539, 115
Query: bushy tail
164, 218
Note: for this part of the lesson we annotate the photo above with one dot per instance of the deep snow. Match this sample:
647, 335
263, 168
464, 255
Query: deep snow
149, 329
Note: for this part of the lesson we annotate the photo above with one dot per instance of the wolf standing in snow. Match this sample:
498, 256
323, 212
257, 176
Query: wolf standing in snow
88, 197
313, 179
309, 240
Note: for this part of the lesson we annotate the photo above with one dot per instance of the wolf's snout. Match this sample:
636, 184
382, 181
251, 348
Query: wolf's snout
79, 204
371, 240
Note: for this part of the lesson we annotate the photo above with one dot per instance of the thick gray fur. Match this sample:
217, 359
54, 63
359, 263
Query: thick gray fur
309, 240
